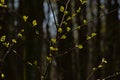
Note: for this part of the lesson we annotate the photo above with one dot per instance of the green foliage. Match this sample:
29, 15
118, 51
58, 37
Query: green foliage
63, 37
62, 8
2, 39
2, 75
80, 46
52, 48
25, 18
34, 23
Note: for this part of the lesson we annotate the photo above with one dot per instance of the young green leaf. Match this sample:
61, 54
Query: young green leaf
53, 40
63, 37
25, 18
2, 39
14, 41
60, 30
61, 8
93, 34
68, 29
3, 1
80, 46
34, 23
2, 75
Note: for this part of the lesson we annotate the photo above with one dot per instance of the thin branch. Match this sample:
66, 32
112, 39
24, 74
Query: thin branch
50, 5
64, 14
111, 76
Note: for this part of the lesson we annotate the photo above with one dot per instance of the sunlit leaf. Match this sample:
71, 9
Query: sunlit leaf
88, 37
83, 1
61, 8
68, 29
25, 18
103, 60
102, 6
93, 34
2, 39
5, 6
65, 23
63, 37
2, 75
65, 12
60, 30
3, 1
37, 32
14, 41
6, 44
79, 9
74, 14
35, 62
80, 46
78, 27
29, 63
34, 23
53, 40
20, 35
53, 48
94, 69
85, 21
100, 66
42, 77
49, 58
68, 18
22, 30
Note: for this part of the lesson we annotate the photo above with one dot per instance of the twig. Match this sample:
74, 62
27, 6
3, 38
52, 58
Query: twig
64, 14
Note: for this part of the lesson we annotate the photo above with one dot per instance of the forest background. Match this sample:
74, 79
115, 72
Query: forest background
59, 39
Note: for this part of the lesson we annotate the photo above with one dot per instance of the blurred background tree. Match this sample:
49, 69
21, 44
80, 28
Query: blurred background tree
80, 56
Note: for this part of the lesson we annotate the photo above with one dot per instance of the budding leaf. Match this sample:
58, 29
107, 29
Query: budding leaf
25, 18
61, 8
2, 39
34, 22
63, 37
